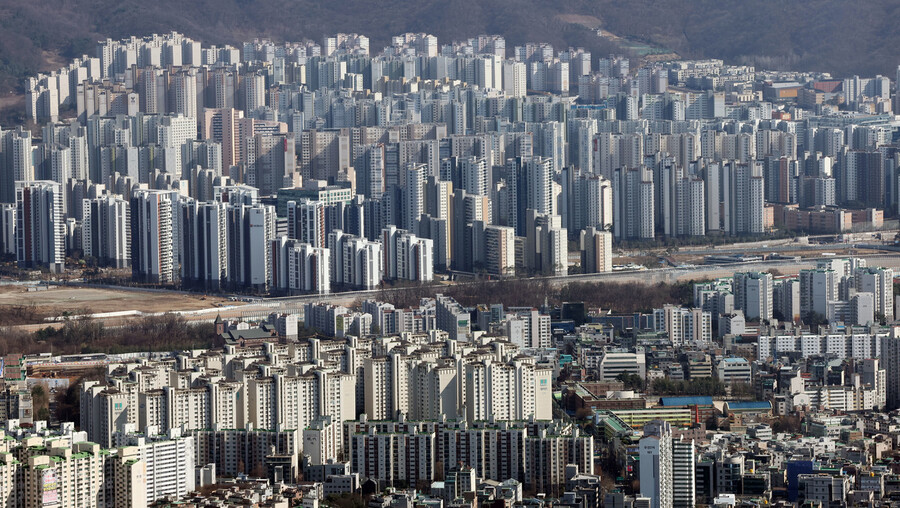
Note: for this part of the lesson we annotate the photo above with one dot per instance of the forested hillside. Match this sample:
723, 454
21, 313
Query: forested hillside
843, 37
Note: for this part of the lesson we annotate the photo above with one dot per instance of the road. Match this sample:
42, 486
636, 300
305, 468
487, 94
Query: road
263, 306
650, 276
809, 243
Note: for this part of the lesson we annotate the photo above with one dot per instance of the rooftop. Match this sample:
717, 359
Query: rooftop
700, 400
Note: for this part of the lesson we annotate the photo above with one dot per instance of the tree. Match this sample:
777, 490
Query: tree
742, 390
40, 400
259, 471
68, 407
346, 500
788, 423
698, 386
583, 413
631, 381
813, 318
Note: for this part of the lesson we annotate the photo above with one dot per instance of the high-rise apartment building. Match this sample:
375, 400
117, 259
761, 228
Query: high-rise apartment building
656, 472
500, 250
596, 250
154, 255
306, 222
250, 229
16, 162
407, 256
817, 288
204, 244
106, 231
753, 295
40, 225
879, 282
633, 203
8, 229
529, 180
299, 267
684, 461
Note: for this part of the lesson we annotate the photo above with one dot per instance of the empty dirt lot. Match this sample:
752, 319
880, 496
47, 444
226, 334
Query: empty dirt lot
96, 300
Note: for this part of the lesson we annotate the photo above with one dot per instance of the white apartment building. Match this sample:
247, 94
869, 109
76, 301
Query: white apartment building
753, 295
817, 288
879, 282
682, 325
40, 228
169, 460
655, 450
614, 363
153, 253
106, 231
734, 370
500, 254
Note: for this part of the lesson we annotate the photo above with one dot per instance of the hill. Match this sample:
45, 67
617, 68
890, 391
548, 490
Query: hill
835, 35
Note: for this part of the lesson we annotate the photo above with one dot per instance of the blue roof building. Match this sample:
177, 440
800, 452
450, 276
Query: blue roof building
745, 407
700, 400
